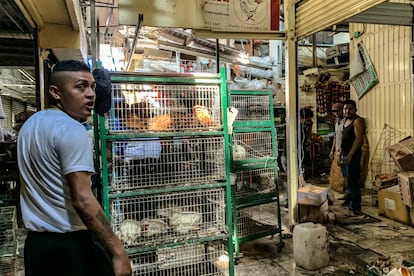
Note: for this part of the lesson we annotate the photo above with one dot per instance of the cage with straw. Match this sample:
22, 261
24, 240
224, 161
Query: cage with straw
381, 163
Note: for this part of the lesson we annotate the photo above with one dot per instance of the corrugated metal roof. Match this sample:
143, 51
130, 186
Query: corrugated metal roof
386, 13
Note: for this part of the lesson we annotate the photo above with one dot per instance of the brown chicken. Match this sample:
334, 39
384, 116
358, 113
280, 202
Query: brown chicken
202, 115
161, 122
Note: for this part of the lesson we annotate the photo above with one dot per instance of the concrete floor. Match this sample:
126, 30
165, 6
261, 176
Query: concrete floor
353, 248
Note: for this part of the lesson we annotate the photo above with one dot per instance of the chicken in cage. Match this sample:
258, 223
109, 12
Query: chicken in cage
129, 231
252, 145
167, 162
255, 181
164, 108
159, 218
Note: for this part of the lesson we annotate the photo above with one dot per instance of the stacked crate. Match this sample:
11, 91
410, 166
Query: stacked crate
8, 244
164, 174
254, 168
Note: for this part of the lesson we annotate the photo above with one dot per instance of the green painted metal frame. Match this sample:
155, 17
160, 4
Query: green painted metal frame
103, 136
256, 163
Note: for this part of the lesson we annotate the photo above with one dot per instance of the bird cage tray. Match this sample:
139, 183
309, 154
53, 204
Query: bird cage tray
164, 108
195, 259
153, 162
155, 219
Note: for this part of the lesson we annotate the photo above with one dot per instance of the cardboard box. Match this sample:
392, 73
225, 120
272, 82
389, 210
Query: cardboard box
406, 184
312, 195
315, 214
403, 154
391, 205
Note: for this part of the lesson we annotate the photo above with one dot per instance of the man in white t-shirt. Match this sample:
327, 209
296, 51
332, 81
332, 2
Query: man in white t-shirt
55, 157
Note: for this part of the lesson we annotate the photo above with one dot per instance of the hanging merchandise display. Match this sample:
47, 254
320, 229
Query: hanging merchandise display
357, 66
328, 93
366, 80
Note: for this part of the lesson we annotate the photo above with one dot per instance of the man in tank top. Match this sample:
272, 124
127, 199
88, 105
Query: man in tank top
352, 140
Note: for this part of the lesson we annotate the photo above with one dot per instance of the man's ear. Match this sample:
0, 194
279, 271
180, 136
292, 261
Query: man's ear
54, 92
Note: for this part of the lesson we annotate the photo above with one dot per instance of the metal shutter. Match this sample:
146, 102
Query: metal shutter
313, 16
11, 107
7, 123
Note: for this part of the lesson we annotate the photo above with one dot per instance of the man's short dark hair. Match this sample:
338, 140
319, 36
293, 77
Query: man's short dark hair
350, 102
68, 65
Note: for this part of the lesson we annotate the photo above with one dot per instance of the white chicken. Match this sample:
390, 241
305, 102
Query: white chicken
239, 152
129, 231
153, 227
184, 222
169, 211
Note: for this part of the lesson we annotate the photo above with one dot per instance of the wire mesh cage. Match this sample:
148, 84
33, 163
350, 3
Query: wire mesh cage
8, 228
381, 163
158, 107
251, 145
188, 260
149, 220
153, 162
256, 181
257, 220
252, 107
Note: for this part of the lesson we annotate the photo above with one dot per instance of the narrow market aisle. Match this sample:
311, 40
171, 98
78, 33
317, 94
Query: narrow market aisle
356, 246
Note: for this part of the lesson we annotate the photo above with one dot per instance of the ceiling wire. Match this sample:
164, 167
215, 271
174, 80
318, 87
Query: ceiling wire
134, 42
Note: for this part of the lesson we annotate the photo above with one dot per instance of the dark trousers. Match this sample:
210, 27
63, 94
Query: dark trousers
352, 173
66, 254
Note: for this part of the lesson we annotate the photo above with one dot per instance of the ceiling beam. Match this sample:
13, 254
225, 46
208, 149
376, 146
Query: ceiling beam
31, 13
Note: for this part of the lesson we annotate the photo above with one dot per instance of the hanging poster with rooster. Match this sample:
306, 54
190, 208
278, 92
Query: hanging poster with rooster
242, 15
